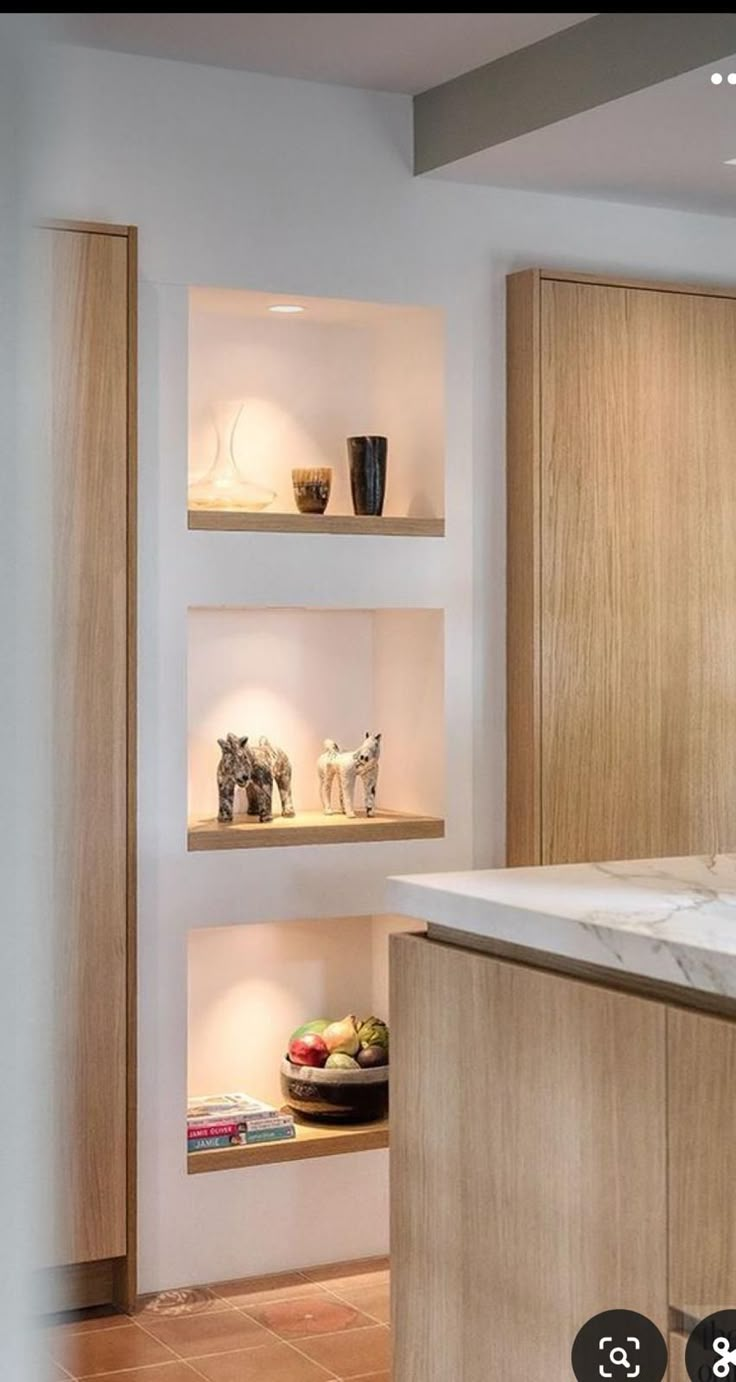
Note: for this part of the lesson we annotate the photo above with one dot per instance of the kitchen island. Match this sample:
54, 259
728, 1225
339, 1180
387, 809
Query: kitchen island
563, 1110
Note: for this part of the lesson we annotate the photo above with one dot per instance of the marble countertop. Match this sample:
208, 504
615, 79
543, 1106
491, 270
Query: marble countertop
673, 920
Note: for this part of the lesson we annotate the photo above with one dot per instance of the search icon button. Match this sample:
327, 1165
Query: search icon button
618, 1358
619, 1346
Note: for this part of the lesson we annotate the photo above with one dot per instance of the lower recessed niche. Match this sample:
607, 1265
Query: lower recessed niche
249, 987
299, 677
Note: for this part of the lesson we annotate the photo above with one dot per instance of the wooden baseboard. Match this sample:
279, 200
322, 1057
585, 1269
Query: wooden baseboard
77, 1287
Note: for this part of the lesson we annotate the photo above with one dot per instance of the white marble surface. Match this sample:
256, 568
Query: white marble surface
667, 919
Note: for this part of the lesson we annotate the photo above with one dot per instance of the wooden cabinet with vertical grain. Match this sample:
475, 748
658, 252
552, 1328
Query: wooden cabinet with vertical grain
621, 569
702, 1162
92, 432
677, 1370
528, 1163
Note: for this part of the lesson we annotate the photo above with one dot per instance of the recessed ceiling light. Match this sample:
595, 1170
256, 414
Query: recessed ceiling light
716, 78
731, 79
732, 161
285, 307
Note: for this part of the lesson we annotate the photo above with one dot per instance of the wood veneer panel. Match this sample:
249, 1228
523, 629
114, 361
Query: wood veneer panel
702, 1162
125, 1277
528, 1166
644, 284
677, 1370
77, 1287
90, 424
523, 692
638, 576
356, 525
90, 227
313, 828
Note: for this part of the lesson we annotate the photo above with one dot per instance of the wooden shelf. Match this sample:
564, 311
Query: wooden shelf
312, 828
311, 1140
231, 521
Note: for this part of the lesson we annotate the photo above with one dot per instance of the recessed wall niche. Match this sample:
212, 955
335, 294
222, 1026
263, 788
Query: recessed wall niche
249, 987
307, 380
300, 676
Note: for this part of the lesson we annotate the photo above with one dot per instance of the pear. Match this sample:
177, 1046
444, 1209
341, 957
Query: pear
342, 1037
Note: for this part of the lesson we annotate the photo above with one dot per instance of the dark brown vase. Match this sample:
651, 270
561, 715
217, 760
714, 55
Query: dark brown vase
368, 456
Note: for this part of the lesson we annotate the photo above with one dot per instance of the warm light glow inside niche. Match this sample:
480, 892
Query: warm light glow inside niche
300, 676
309, 380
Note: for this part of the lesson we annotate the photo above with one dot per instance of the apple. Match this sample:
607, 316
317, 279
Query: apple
309, 1049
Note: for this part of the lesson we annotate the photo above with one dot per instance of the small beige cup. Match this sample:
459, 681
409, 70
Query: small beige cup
312, 489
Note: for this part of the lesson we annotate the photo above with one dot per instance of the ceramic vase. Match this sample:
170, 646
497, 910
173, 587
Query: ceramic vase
368, 457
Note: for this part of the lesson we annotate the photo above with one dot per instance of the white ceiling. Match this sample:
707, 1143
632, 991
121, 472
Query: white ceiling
383, 52
665, 146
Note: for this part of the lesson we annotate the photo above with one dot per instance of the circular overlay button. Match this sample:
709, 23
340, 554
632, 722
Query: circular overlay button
619, 1346
711, 1349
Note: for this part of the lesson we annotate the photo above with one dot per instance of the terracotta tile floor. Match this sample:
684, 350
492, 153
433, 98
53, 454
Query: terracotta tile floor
314, 1326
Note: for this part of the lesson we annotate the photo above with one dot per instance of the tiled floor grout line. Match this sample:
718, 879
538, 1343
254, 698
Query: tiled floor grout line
179, 1356
125, 1322
361, 1310
65, 1371
243, 1310
329, 1376
294, 1343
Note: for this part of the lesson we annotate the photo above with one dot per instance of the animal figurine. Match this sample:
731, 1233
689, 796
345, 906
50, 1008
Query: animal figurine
347, 767
255, 767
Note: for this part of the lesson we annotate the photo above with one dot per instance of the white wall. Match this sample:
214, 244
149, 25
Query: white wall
255, 182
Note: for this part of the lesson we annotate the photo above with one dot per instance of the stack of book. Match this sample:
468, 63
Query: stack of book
234, 1120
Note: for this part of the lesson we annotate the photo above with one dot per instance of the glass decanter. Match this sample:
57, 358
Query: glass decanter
223, 486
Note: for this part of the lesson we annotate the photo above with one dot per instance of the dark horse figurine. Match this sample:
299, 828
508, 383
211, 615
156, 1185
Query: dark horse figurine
256, 768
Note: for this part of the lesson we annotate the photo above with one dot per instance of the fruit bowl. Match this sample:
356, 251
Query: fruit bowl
335, 1096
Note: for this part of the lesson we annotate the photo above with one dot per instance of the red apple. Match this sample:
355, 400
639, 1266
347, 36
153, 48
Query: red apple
308, 1049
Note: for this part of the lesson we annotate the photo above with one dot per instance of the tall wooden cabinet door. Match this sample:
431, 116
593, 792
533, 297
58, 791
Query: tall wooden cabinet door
638, 572
677, 1344
528, 1167
89, 439
702, 1162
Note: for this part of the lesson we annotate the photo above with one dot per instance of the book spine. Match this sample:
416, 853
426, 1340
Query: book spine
213, 1129
206, 1144
234, 1113
281, 1120
270, 1134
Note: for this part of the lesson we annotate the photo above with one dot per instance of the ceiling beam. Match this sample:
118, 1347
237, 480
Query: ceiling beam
575, 70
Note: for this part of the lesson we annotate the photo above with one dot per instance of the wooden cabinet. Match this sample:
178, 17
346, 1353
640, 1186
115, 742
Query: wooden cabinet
92, 430
622, 569
677, 1371
702, 1158
528, 1164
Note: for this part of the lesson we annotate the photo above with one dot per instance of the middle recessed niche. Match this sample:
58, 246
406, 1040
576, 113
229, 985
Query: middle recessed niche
300, 676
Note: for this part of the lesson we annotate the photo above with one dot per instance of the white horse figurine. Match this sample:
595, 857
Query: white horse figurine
347, 767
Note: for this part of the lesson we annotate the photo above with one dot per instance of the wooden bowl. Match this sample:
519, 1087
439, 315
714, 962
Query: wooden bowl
335, 1096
